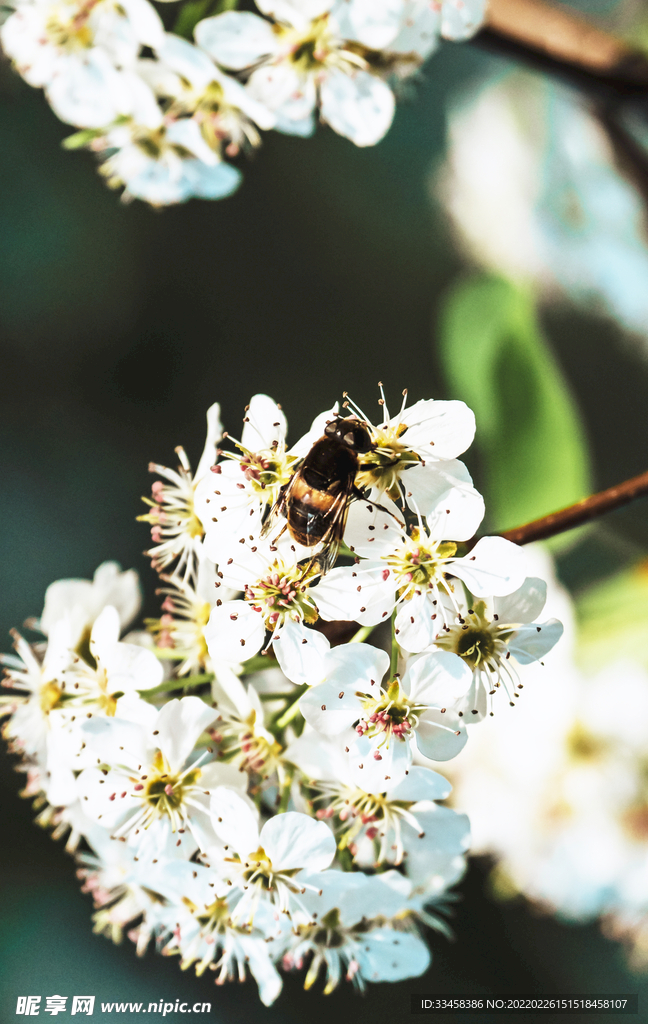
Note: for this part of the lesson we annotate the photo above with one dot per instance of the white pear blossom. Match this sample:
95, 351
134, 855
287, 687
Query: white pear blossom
198, 917
82, 601
179, 633
35, 679
189, 82
269, 860
334, 930
401, 825
486, 635
387, 717
240, 729
147, 786
415, 457
301, 61
412, 570
235, 501
81, 53
176, 530
113, 675
160, 163
418, 24
280, 596
121, 889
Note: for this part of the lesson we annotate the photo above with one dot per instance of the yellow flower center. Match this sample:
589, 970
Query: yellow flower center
384, 466
50, 696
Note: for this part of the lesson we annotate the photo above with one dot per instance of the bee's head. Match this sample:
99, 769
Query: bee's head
351, 433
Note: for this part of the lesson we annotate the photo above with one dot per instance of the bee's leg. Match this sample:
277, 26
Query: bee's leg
280, 534
359, 496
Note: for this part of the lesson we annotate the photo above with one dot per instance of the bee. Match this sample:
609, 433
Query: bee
315, 502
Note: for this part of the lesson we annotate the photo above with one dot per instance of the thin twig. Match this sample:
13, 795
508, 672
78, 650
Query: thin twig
582, 512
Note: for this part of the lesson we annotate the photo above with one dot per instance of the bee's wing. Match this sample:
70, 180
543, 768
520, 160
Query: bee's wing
332, 537
278, 510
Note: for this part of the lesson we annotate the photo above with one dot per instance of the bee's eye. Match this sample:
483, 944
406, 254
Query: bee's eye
330, 427
349, 439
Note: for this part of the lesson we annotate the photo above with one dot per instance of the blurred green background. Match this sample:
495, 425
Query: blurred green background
328, 271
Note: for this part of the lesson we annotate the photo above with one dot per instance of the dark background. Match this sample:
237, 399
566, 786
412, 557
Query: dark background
120, 325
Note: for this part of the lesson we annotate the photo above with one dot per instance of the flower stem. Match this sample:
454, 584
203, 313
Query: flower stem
361, 635
177, 684
259, 663
393, 667
285, 782
582, 512
292, 710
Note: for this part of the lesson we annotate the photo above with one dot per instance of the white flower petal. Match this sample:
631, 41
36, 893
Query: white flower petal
96, 792
88, 92
475, 701
300, 652
294, 840
235, 820
360, 106
460, 19
306, 442
345, 891
214, 434
439, 430
329, 709
84, 600
361, 666
417, 623
438, 679
377, 774
144, 21
186, 133
235, 632
303, 128
289, 93
295, 12
179, 724
116, 741
362, 593
317, 758
443, 492
494, 567
265, 424
441, 735
187, 60
239, 96
371, 22
533, 641
369, 531
387, 955
419, 28
436, 859
525, 604
236, 39
421, 784
262, 969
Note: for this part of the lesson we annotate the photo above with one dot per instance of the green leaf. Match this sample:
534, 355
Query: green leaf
80, 139
612, 619
530, 435
195, 10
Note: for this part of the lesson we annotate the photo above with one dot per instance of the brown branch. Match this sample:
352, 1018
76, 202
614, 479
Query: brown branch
582, 512
563, 34
563, 44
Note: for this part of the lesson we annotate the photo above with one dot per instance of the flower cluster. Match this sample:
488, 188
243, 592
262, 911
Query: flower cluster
167, 114
562, 806
247, 781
